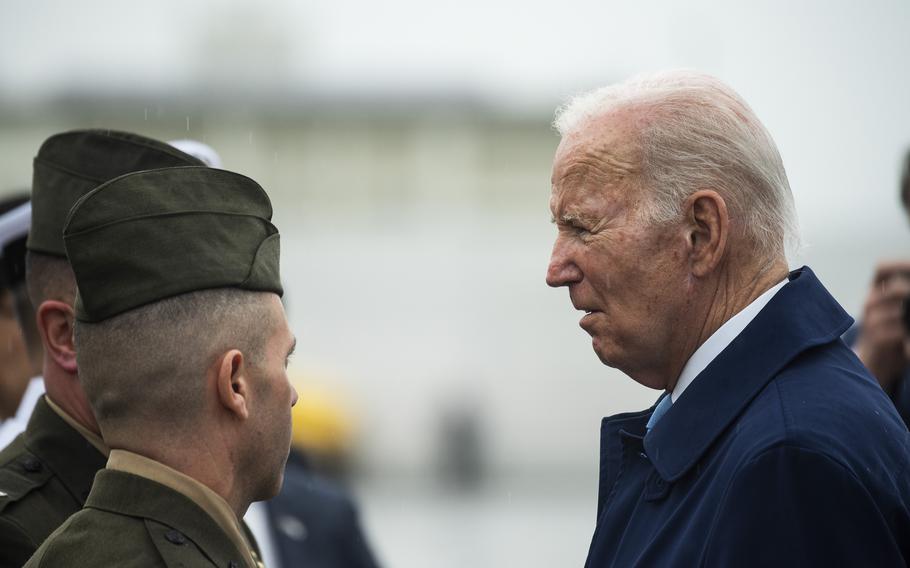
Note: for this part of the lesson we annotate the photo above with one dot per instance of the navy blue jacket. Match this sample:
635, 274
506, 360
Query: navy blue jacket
783, 452
316, 523
900, 392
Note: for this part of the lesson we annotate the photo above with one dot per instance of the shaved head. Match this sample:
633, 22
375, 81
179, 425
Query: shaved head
148, 366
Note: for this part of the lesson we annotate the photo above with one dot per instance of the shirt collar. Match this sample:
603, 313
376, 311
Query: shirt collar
719, 340
209, 501
800, 316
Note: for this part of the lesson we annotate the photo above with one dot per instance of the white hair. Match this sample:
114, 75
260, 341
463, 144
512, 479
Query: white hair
697, 133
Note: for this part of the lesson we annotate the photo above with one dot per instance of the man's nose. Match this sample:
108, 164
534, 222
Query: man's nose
293, 395
562, 270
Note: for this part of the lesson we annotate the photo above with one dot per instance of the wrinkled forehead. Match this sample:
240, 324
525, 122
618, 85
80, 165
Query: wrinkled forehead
603, 153
607, 146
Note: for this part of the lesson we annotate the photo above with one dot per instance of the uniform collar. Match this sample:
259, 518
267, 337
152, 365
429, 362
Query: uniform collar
72, 458
213, 504
132, 495
800, 316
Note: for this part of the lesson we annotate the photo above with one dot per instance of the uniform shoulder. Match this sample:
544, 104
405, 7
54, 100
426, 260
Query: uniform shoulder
32, 502
20, 473
15, 542
174, 547
93, 537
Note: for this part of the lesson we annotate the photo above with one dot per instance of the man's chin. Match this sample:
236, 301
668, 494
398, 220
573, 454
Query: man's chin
274, 488
605, 357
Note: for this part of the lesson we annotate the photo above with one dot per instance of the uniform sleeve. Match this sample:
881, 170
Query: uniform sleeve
796, 507
15, 546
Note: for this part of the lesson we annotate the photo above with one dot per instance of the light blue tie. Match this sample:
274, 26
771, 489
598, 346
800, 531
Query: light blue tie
662, 407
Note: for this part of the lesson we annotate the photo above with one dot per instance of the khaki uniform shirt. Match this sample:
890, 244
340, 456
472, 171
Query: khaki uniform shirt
45, 476
143, 513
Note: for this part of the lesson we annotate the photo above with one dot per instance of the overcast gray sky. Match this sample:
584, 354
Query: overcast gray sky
830, 78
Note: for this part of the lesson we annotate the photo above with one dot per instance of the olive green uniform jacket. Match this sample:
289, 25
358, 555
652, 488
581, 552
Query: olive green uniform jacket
45, 476
131, 521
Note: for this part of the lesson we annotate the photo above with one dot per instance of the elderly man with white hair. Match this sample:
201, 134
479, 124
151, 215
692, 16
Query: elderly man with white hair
771, 444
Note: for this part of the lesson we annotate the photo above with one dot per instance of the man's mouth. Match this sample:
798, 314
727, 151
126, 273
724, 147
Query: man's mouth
585, 319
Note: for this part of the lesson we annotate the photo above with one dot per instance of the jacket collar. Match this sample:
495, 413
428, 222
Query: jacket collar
132, 495
801, 315
72, 458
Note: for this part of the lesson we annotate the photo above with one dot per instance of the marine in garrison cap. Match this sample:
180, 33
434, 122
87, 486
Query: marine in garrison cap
179, 332
47, 471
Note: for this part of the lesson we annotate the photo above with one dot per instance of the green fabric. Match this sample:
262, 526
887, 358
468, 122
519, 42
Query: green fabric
147, 236
40, 499
129, 520
71, 164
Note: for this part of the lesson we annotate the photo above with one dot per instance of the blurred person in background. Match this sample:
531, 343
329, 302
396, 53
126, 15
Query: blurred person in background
47, 471
882, 338
771, 444
20, 345
183, 358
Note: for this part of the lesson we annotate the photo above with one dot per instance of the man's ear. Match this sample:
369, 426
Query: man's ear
232, 383
708, 227
55, 324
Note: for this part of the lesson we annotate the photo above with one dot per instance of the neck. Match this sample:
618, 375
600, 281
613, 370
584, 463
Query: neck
723, 297
206, 463
66, 391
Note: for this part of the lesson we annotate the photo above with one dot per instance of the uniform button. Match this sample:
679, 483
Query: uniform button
175, 537
31, 464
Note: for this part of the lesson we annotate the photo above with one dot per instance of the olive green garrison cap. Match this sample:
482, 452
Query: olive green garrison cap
151, 235
71, 164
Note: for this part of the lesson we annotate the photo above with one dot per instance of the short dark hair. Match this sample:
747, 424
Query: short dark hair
148, 363
49, 277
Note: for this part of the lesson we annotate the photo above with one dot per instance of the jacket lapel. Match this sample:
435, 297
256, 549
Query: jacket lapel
801, 315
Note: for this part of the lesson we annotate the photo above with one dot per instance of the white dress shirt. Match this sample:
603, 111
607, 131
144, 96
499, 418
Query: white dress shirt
719, 340
257, 519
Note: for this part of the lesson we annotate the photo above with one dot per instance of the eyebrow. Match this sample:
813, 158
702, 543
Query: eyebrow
570, 218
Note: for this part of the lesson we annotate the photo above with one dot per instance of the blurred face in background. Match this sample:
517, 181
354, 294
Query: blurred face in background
15, 370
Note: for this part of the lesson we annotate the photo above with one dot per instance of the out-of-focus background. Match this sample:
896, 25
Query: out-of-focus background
406, 147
